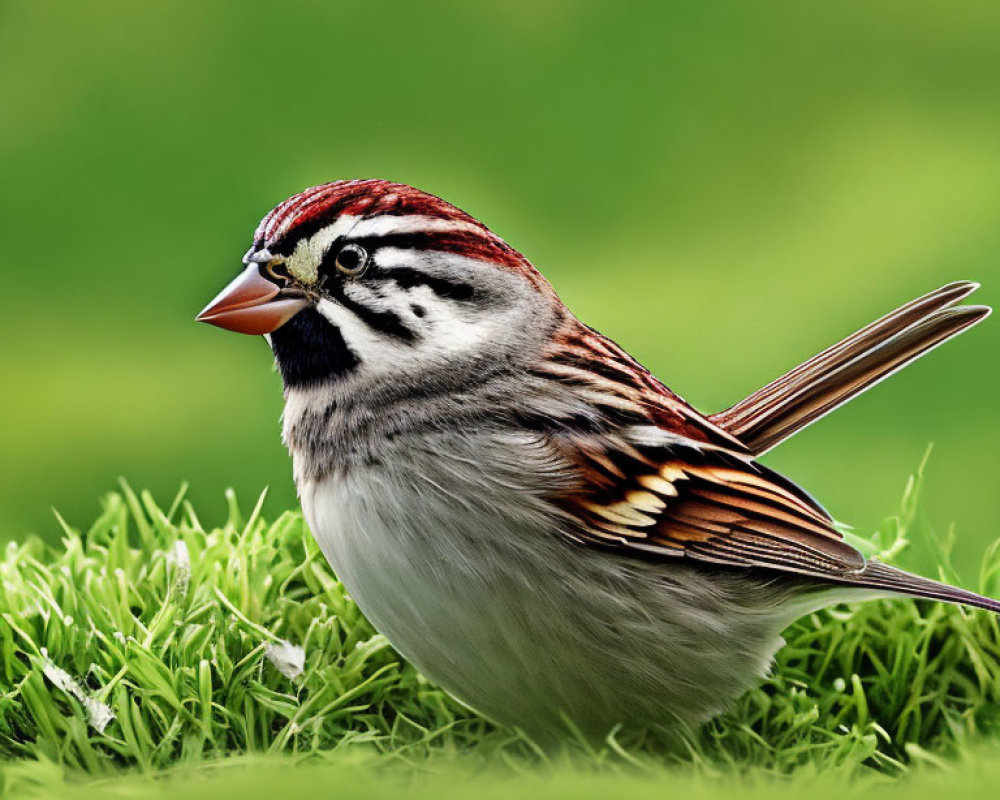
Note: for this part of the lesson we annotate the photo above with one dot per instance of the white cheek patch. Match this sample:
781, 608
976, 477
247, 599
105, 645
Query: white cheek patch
445, 327
362, 340
441, 332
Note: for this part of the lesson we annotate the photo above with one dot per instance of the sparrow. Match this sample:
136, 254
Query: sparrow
530, 517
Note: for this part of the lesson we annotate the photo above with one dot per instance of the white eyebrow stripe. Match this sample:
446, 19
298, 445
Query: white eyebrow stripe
389, 224
304, 262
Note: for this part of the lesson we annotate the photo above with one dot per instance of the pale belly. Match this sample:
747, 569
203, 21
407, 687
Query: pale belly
526, 627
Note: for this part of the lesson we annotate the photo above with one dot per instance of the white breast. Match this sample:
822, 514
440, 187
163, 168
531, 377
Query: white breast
504, 613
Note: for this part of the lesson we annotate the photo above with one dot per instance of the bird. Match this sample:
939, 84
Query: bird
528, 515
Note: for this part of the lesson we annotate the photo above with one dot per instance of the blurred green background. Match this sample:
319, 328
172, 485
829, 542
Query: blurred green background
722, 187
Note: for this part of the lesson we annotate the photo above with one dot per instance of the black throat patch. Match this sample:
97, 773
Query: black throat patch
310, 349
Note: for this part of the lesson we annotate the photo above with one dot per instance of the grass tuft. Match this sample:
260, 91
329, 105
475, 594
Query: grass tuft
147, 642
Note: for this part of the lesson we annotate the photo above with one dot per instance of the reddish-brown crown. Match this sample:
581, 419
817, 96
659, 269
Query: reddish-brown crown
308, 211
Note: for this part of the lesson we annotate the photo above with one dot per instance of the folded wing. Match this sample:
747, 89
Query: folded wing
718, 507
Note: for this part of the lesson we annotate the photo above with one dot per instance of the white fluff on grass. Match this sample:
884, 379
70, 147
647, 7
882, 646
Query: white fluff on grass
181, 559
98, 713
289, 659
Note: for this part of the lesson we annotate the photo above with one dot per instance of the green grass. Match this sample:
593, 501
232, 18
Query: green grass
146, 645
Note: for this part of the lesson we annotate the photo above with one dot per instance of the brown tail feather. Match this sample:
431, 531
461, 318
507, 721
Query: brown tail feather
826, 381
877, 575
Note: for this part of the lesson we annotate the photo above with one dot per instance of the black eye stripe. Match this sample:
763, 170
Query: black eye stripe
404, 277
385, 322
408, 277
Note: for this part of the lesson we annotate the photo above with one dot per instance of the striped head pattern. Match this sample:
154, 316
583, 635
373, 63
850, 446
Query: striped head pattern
369, 280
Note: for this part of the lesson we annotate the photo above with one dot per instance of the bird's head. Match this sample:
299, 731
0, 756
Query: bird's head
373, 279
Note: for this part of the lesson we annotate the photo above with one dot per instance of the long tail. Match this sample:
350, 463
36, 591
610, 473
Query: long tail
877, 575
815, 388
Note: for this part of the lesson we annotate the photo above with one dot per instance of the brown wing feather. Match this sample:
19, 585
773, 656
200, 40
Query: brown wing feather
713, 506
700, 494
702, 497
824, 382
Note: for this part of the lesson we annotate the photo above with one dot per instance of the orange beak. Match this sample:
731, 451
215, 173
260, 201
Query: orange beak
252, 305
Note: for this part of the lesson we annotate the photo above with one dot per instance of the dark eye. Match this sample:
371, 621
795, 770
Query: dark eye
352, 259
